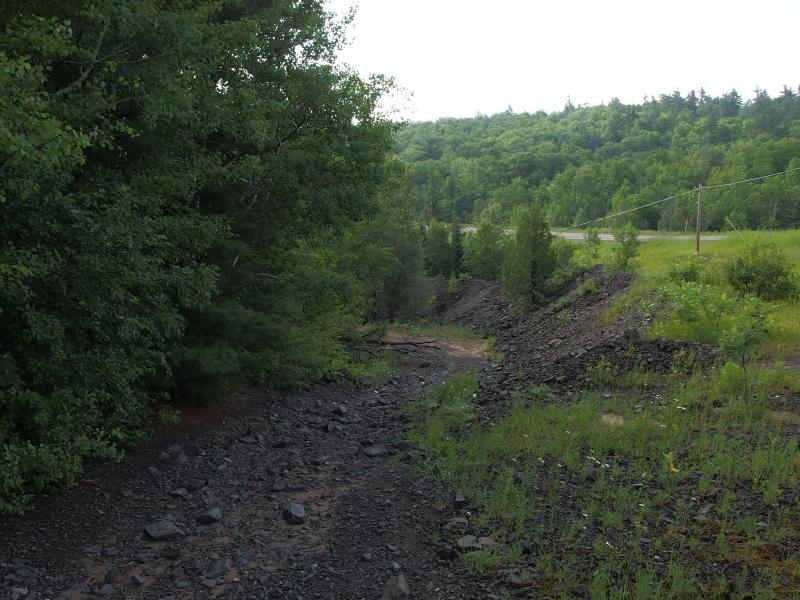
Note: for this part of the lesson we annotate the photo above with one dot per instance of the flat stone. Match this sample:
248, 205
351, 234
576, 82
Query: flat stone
248, 439
164, 530
294, 514
175, 451
179, 493
396, 589
193, 485
334, 427
218, 567
467, 542
278, 485
375, 451
212, 515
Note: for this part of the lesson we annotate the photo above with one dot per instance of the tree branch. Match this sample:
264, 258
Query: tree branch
85, 72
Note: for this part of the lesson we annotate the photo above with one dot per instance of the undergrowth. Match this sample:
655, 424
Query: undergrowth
645, 486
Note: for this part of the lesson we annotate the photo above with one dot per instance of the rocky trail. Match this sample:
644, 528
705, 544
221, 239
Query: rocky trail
305, 494
278, 495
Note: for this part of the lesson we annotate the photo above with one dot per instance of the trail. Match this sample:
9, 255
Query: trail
336, 449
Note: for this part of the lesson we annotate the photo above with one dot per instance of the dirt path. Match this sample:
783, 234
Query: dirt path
335, 449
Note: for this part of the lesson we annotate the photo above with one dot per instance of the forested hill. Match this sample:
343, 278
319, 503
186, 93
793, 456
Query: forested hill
586, 162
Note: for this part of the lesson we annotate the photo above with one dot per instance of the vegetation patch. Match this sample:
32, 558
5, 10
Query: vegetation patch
684, 491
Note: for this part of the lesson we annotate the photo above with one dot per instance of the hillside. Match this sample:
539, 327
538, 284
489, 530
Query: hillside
586, 162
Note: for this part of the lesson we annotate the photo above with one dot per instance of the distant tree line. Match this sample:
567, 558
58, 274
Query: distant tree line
584, 163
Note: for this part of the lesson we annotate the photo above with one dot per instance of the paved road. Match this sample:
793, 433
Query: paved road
607, 237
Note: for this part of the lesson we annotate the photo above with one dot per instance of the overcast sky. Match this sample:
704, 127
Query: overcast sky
460, 57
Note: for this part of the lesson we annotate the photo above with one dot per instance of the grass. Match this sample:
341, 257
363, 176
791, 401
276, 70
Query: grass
689, 491
435, 330
656, 258
373, 369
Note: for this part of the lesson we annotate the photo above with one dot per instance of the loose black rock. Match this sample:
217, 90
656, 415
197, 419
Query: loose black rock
295, 514
164, 530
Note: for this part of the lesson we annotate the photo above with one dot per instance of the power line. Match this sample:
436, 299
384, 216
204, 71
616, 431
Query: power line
709, 187
722, 185
626, 211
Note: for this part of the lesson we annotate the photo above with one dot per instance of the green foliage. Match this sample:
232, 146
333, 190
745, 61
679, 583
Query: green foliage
764, 271
194, 195
627, 248
591, 237
701, 313
604, 466
483, 251
438, 254
564, 253
684, 271
584, 163
587, 287
530, 260
456, 249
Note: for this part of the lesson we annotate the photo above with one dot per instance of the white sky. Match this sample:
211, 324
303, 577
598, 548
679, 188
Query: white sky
459, 57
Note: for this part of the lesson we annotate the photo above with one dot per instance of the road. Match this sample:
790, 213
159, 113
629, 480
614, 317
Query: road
608, 237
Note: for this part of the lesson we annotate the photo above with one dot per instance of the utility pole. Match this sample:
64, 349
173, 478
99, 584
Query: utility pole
699, 216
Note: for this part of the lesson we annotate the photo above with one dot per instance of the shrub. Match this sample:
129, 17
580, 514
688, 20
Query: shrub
438, 254
627, 246
587, 287
701, 313
483, 251
687, 270
764, 271
563, 252
592, 239
530, 260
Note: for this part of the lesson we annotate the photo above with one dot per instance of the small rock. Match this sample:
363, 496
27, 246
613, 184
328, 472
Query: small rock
374, 451
175, 451
340, 409
396, 589
213, 515
192, 485
295, 514
334, 427
164, 530
278, 485
248, 439
459, 502
447, 553
172, 552
137, 579
367, 556
218, 567
467, 542
179, 493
